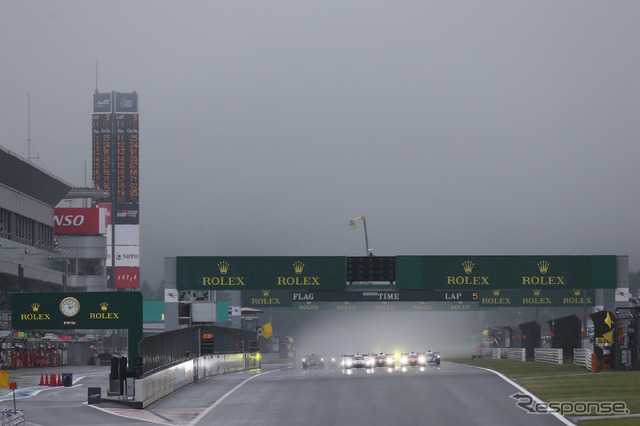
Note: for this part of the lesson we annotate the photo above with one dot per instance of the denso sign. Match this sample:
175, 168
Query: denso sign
79, 221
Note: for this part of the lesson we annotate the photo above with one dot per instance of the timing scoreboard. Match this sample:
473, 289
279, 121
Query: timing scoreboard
115, 169
116, 145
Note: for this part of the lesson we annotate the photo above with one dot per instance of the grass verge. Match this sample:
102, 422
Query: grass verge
571, 383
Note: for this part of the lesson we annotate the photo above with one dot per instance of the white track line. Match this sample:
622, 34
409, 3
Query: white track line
521, 389
215, 404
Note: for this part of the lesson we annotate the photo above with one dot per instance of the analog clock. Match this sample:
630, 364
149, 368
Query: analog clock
69, 306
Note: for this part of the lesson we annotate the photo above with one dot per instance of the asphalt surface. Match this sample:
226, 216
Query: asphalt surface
289, 395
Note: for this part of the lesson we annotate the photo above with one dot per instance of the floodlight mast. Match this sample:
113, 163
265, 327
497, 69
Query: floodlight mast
352, 225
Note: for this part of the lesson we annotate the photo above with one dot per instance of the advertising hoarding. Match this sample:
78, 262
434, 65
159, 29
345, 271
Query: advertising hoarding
261, 273
79, 221
475, 273
127, 277
125, 255
127, 214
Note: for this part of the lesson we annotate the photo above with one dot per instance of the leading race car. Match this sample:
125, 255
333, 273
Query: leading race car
358, 361
312, 360
433, 358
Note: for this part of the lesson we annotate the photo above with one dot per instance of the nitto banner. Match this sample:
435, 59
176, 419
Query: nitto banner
478, 273
261, 273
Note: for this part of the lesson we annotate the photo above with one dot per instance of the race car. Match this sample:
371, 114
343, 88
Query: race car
347, 361
413, 359
381, 360
312, 360
433, 358
358, 361
369, 360
390, 360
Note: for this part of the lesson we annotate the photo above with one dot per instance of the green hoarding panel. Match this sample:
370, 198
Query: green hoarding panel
387, 306
222, 311
409, 273
261, 273
153, 310
267, 298
80, 311
505, 272
536, 297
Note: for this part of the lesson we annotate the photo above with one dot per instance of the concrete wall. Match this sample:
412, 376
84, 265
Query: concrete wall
158, 385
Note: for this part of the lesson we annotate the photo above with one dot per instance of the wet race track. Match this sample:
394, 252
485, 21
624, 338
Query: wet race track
290, 395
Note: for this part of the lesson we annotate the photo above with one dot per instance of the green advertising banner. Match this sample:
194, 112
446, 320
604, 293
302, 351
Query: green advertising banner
387, 306
267, 298
80, 311
153, 310
261, 273
505, 272
536, 297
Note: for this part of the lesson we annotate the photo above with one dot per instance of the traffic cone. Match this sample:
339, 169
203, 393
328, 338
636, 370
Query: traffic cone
52, 382
59, 380
41, 379
46, 380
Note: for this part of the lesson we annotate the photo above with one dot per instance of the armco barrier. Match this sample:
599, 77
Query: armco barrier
517, 354
161, 383
582, 356
552, 356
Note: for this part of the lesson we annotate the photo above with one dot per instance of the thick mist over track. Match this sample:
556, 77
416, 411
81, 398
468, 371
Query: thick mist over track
332, 333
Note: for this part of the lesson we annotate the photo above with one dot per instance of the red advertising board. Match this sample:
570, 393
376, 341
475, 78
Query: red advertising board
108, 207
76, 221
127, 277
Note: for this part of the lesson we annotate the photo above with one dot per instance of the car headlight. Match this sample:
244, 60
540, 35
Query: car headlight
349, 363
404, 360
333, 360
421, 359
304, 360
321, 359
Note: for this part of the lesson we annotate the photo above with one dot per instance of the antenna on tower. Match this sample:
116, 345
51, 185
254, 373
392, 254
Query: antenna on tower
96, 76
29, 157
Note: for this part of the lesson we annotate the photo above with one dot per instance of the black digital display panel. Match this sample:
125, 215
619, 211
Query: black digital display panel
127, 158
101, 150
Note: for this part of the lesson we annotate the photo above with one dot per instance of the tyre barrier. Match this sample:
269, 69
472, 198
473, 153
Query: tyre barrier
9, 417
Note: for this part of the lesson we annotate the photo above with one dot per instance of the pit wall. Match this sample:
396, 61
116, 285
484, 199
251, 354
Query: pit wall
162, 383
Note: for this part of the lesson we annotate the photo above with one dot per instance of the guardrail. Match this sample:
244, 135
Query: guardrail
517, 354
161, 383
551, 356
582, 356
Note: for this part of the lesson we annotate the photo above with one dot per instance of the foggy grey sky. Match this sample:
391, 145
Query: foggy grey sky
456, 127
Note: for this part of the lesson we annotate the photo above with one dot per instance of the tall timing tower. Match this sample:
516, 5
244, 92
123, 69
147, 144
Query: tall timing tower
116, 160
